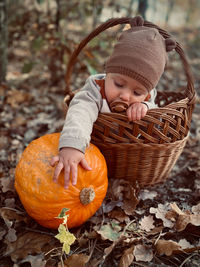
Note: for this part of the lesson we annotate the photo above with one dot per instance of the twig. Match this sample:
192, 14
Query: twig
103, 218
52, 250
158, 237
140, 264
38, 231
92, 250
188, 259
61, 260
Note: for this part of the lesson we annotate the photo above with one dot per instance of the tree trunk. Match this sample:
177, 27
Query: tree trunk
3, 38
142, 7
169, 10
58, 14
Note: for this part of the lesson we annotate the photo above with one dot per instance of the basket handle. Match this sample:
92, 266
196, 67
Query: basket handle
190, 92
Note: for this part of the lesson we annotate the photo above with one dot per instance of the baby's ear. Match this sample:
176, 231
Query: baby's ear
148, 97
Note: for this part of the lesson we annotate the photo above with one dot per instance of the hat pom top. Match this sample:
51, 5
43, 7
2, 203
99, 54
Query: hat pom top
136, 21
170, 44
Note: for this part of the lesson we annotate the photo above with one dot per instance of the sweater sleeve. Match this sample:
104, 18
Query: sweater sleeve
151, 102
81, 115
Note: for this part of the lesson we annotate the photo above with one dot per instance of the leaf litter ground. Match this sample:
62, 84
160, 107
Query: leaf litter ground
157, 226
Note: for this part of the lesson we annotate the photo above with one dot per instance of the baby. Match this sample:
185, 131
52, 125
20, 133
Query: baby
132, 72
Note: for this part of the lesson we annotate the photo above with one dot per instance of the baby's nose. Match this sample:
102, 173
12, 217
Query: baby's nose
125, 95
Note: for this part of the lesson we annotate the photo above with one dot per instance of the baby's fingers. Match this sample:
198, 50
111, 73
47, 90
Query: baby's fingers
129, 114
57, 171
74, 172
54, 160
66, 176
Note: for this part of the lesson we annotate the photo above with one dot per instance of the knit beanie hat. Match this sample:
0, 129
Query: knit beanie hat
141, 53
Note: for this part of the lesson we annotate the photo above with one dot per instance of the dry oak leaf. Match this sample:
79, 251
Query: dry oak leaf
10, 214
161, 212
28, 243
184, 244
147, 223
75, 260
143, 253
119, 215
11, 235
146, 194
127, 257
35, 261
196, 209
184, 218
7, 184
166, 247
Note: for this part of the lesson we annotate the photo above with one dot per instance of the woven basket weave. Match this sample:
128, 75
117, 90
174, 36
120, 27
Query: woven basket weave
144, 151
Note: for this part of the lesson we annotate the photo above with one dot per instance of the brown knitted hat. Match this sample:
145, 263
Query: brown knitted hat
140, 54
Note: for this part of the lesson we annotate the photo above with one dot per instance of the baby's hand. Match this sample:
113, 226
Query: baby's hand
136, 111
68, 158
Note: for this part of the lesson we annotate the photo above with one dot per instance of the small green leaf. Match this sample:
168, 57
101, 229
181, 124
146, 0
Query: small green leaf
62, 213
65, 237
66, 248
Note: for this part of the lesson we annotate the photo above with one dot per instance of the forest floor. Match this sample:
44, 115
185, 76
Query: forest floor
163, 229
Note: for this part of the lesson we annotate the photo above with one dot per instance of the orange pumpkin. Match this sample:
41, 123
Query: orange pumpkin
44, 199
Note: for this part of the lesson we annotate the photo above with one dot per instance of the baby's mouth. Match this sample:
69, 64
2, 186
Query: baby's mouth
118, 106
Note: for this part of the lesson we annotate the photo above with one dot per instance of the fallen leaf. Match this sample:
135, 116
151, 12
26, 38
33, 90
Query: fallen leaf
166, 247
7, 184
119, 215
160, 213
35, 261
11, 235
2, 233
10, 202
108, 207
196, 209
184, 218
107, 232
75, 260
28, 243
146, 194
184, 244
147, 223
9, 215
127, 257
143, 253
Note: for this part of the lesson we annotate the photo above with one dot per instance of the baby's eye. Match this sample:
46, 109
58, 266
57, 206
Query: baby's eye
136, 93
118, 84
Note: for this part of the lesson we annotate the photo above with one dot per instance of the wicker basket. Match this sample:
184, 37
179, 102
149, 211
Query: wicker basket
144, 151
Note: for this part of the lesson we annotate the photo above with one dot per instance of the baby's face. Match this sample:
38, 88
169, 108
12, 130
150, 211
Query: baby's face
119, 87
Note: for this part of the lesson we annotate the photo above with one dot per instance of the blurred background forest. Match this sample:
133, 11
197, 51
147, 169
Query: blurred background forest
54, 27
37, 38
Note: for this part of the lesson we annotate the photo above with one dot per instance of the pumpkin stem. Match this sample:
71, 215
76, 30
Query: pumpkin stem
87, 195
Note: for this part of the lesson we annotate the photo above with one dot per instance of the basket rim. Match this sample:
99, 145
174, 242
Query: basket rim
148, 145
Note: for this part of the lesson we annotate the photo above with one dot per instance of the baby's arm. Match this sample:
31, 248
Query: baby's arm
68, 158
75, 136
